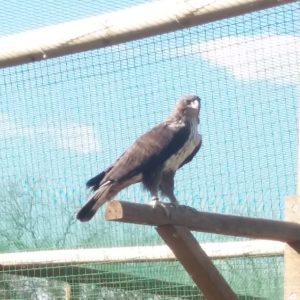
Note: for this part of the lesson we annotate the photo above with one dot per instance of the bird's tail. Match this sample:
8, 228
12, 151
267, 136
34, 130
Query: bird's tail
99, 197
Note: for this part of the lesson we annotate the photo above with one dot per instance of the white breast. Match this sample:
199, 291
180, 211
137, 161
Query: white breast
177, 159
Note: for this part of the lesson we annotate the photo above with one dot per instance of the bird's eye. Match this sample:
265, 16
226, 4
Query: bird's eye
189, 101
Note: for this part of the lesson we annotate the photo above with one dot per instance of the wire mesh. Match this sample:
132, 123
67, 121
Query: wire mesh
63, 120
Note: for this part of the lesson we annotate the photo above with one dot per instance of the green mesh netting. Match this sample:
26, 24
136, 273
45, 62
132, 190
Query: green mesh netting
63, 120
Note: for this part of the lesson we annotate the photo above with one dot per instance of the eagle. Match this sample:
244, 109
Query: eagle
152, 159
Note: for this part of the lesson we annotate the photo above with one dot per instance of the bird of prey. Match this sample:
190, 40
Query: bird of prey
152, 159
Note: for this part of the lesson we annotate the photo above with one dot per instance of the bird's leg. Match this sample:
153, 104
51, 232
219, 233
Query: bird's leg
173, 200
154, 198
155, 202
167, 187
151, 182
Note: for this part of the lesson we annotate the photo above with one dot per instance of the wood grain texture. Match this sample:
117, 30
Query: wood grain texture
196, 262
292, 253
132, 23
203, 221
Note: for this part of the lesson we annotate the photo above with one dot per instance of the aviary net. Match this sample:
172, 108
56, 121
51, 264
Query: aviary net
64, 120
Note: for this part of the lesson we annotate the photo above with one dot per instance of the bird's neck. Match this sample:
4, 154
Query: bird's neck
179, 118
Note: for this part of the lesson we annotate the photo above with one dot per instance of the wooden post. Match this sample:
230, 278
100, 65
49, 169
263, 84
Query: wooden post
57, 258
196, 262
292, 253
67, 288
140, 21
203, 221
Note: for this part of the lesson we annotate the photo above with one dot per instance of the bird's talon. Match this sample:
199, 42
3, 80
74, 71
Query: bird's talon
154, 202
164, 206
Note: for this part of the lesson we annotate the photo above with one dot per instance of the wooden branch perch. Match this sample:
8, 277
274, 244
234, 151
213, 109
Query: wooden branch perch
203, 221
196, 262
292, 252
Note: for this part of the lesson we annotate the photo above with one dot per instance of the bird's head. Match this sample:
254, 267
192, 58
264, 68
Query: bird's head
187, 107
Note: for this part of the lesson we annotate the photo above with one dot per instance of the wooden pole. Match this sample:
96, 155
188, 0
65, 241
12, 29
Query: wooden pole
215, 250
292, 250
140, 21
202, 221
67, 288
196, 262
292, 253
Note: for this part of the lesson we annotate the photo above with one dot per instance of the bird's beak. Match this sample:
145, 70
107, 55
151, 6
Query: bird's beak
195, 104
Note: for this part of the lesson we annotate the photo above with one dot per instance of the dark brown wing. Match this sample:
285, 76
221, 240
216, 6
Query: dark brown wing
149, 151
94, 182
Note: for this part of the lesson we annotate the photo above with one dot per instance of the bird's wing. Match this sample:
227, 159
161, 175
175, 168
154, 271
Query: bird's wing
191, 156
149, 151
94, 182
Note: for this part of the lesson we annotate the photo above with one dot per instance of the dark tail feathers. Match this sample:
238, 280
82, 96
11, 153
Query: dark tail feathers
87, 211
99, 197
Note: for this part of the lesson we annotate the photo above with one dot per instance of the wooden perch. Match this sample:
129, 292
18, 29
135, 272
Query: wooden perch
203, 221
291, 252
140, 21
196, 262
